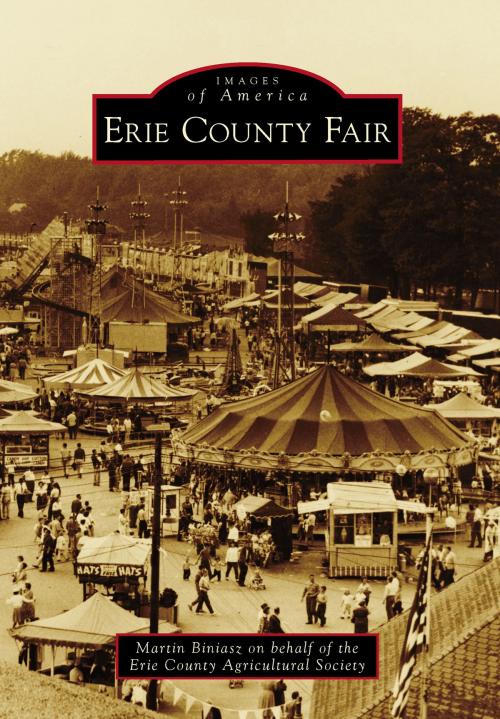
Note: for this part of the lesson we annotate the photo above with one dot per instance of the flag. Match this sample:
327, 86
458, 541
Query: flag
415, 638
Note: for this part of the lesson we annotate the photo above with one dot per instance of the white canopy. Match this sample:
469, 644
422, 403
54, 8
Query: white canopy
359, 497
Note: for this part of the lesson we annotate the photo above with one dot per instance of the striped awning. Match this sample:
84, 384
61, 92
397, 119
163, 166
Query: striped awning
324, 412
87, 376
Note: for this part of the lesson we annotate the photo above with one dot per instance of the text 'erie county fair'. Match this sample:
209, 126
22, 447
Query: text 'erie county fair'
219, 657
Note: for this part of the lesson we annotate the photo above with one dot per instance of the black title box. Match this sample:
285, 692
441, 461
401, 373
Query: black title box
247, 656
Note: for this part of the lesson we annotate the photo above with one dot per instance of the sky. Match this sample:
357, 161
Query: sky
440, 54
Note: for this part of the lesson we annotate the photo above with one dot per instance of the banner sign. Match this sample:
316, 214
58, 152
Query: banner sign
28, 460
247, 656
109, 570
247, 113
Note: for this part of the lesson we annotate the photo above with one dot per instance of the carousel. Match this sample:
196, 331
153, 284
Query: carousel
325, 423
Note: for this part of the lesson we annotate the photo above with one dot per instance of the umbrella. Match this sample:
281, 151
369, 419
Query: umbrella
4, 331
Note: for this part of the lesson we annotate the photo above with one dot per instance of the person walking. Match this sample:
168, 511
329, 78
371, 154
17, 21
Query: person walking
142, 523
72, 424
203, 596
274, 624
96, 465
232, 560
20, 492
321, 602
360, 618
476, 531
242, 565
65, 458
449, 562
79, 459
127, 469
197, 579
391, 591
310, 593
48, 549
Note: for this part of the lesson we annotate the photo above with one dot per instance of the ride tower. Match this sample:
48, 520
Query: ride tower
96, 228
284, 239
139, 217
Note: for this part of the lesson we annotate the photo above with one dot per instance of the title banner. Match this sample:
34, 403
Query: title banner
247, 656
247, 113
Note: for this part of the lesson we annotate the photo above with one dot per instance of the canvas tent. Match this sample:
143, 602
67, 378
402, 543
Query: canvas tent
90, 375
373, 344
461, 406
11, 392
137, 387
418, 365
93, 623
321, 422
332, 319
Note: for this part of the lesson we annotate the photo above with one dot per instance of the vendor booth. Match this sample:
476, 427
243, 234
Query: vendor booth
170, 508
25, 440
89, 631
267, 517
117, 562
362, 535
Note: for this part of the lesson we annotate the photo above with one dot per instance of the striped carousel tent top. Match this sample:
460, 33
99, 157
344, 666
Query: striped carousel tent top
134, 386
325, 412
90, 375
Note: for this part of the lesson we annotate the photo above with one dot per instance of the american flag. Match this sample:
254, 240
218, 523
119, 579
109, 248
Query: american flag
416, 638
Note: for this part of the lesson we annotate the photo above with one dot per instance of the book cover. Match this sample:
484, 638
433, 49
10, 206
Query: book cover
164, 164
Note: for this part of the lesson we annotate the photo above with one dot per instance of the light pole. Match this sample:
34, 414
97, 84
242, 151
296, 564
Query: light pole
431, 476
159, 430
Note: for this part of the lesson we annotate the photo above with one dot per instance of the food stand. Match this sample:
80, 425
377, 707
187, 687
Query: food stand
362, 535
25, 440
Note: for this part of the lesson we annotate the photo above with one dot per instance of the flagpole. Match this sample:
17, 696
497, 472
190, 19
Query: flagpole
424, 684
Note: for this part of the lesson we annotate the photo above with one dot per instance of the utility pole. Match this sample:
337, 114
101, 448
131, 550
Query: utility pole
159, 430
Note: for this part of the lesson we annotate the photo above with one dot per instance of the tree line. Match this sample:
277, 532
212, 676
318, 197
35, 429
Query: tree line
430, 223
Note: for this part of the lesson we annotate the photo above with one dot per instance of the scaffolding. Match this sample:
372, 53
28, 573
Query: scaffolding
69, 292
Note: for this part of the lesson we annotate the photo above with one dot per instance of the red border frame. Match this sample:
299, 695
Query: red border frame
251, 634
398, 97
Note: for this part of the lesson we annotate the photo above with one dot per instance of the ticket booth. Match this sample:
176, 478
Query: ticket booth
170, 511
362, 535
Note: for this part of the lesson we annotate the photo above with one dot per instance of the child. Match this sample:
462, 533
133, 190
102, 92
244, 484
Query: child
257, 581
62, 547
216, 568
186, 569
365, 588
346, 605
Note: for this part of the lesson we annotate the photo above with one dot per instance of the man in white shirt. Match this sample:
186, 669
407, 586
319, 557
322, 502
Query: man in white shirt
233, 535
477, 525
232, 556
391, 591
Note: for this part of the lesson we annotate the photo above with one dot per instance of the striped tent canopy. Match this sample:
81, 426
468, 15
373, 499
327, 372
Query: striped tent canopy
90, 375
322, 415
15, 392
134, 386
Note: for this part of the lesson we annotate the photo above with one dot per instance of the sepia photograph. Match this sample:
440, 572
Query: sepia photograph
249, 360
